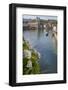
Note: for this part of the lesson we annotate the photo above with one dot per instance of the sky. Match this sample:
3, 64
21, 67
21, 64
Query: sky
40, 16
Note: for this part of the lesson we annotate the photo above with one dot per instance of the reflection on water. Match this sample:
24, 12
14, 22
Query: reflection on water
45, 43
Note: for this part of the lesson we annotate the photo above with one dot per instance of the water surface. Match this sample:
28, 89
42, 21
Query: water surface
46, 45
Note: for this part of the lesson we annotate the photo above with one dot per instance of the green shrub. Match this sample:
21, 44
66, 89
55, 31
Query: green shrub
34, 58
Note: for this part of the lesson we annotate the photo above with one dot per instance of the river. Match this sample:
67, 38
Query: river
46, 44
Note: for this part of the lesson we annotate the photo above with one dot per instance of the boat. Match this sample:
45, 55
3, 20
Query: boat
46, 33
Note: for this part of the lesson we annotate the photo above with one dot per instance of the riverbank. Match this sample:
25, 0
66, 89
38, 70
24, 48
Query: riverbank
30, 59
